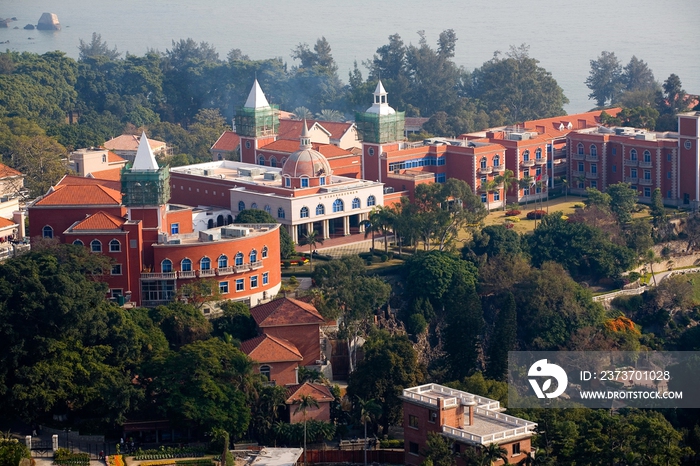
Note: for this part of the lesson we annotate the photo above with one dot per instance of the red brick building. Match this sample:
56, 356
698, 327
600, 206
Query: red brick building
468, 420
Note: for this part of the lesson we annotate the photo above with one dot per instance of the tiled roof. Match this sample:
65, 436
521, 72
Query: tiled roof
81, 195
416, 121
73, 180
130, 142
320, 392
112, 174
114, 158
228, 141
100, 221
285, 311
6, 172
4, 223
290, 146
291, 129
266, 348
552, 125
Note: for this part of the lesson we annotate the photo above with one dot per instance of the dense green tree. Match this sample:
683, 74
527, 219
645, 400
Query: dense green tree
181, 323
605, 79
315, 82
433, 274
637, 76
623, 200
438, 451
235, 321
97, 48
658, 211
493, 240
12, 452
40, 158
260, 216
503, 338
389, 365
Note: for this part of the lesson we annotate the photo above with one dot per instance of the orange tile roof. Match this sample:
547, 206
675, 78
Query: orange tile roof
114, 158
285, 311
100, 221
130, 142
551, 125
291, 129
6, 172
112, 174
320, 392
291, 145
4, 223
74, 195
228, 141
267, 348
74, 180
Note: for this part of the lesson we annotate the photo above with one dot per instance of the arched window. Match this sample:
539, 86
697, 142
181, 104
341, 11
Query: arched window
647, 156
273, 161
371, 200
261, 160
254, 205
304, 212
220, 220
253, 256
223, 261
538, 154
497, 161
77, 242
526, 155
238, 260
264, 252
356, 203
594, 150
483, 162
280, 213
104, 158
320, 209
268, 209
229, 219
284, 159
95, 246
579, 149
265, 371
166, 266
210, 223
186, 265
338, 205
633, 154
47, 232
115, 246
205, 263
241, 206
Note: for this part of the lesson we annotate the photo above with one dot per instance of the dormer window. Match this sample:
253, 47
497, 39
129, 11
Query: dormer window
304, 182
287, 182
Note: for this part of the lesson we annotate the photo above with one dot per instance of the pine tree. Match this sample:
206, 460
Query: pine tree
503, 339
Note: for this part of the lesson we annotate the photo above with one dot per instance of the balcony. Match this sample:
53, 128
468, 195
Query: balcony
527, 163
591, 158
256, 265
242, 268
225, 270
485, 170
541, 161
592, 176
577, 156
159, 276
646, 181
577, 174
644, 164
207, 273
631, 179
499, 168
631, 163
187, 274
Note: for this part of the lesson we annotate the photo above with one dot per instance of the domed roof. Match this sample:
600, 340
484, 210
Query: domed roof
306, 161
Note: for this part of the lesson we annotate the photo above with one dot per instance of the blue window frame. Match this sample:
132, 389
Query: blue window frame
186, 265
47, 232
174, 228
304, 212
304, 182
166, 266
239, 258
268, 209
440, 177
338, 205
320, 209
322, 181
266, 278
205, 264
253, 256
356, 203
223, 261
254, 281
280, 213
241, 205
95, 246
287, 181
371, 200
240, 284
223, 287
264, 252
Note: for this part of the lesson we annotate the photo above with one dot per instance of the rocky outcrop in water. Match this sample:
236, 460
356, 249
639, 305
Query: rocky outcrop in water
29, 26
49, 22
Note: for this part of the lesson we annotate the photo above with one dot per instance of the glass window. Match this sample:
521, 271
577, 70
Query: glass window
497, 196
526, 155
304, 213
266, 278
205, 263
647, 191
95, 246
186, 265
241, 205
223, 261
594, 151
254, 281
496, 161
253, 256
614, 151
273, 161
47, 232
223, 287
320, 209
239, 259
338, 205
166, 266
483, 197
580, 166
371, 200
647, 174
668, 175
174, 228
538, 154
264, 252
614, 168
668, 157
240, 284
280, 213
647, 156
440, 177
413, 421
254, 205
265, 371
483, 162
117, 269
322, 181
77, 242
633, 173
287, 181
633, 154
579, 148
304, 182
356, 203
268, 209
594, 168
594, 184
115, 246
261, 160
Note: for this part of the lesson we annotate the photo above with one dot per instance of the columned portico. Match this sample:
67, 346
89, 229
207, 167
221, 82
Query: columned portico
325, 229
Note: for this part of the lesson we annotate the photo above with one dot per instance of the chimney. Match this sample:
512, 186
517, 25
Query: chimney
440, 404
471, 415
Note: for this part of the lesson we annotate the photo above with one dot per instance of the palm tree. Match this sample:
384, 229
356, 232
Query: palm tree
494, 453
506, 180
651, 258
302, 113
372, 224
330, 115
369, 410
565, 185
305, 402
488, 188
525, 183
312, 238
386, 220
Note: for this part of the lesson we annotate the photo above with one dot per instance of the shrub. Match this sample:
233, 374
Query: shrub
536, 214
578, 206
634, 276
391, 255
509, 225
512, 219
384, 257
286, 264
512, 212
293, 280
393, 443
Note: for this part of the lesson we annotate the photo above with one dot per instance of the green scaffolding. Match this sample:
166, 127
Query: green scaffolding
256, 122
380, 129
145, 188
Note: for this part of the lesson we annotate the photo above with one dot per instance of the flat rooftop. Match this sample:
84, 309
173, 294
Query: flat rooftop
230, 232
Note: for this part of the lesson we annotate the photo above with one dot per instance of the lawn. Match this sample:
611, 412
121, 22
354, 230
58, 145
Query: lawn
497, 217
